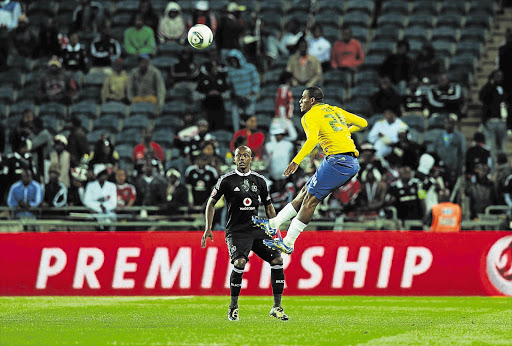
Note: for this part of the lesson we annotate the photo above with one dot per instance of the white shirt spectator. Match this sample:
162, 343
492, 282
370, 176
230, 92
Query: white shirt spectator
10, 11
279, 154
96, 195
389, 136
320, 48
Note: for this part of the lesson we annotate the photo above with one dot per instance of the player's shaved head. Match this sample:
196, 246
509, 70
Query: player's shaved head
243, 148
243, 158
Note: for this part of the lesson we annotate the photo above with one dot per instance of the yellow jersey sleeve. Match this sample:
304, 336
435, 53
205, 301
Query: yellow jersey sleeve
331, 127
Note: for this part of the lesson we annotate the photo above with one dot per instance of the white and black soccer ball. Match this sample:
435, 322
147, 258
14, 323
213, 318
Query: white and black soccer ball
200, 36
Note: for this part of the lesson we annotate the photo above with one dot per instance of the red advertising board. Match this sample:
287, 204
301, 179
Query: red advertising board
323, 263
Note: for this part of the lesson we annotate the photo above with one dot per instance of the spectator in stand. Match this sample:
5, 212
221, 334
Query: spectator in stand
76, 191
192, 138
24, 195
101, 197
306, 69
386, 98
208, 148
450, 147
88, 16
61, 158
177, 193
10, 11
202, 15
24, 129
319, 47
284, 97
407, 196
244, 82
147, 150
347, 53
502, 177
14, 164
384, 133
495, 111
406, 152
105, 49
23, 39
185, 70
480, 190
372, 197
292, 35
200, 179
139, 39
78, 145
104, 155
427, 64
41, 147
151, 187
368, 159
115, 85
478, 153
56, 85
255, 138
173, 27
278, 153
126, 193
229, 30
149, 16
415, 101
212, 82
431, 180
398, 66
146, 83
75, 58
446, 97
49, 42
55, 192
445, 216
503, 63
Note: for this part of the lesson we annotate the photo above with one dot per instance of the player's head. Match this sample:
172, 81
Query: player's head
243, 158
310, 96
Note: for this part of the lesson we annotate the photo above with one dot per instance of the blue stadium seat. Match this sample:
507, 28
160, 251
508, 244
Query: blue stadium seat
107, 123
367, 77
392, 19
357, 18
93, 136
94, 79
472, 47
125, 152
382, 47
299, 6
474, 33
415, 32
11, 78
479, 20
11, 122
272, 76
85, 121
360, 107
41, 8
145, 108
429, 137
464, 62
415, 121
425, 7
6, 95
327, 18
373, 61
482, 6
18, 108
136, 121
176, 108
450, 19
265, 106
269, 91
122, 20
424, 20
130, 136
127, 6
273, 19
415, 47
363, 91
337, 78
86, 108
171, 49
387, 33
454, 7
331, 6
164, 63
115, 108
169, 121
91, 94
333, 94
395, 7
164, 137
268, 7
264, 121
360, 34
460, 76
50, 123
222, 136
331, 33
443, 48
53, 108
444, 33
366, 6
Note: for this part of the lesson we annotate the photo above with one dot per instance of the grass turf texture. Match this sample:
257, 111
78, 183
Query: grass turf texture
203, 320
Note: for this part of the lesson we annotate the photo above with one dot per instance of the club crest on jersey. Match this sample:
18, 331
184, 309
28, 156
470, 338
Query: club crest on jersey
254, 188
246, 186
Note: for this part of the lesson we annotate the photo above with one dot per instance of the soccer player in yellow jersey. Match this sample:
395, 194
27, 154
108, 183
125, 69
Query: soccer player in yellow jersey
331, 127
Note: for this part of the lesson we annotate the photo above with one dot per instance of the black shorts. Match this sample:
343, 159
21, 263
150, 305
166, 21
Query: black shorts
239, 246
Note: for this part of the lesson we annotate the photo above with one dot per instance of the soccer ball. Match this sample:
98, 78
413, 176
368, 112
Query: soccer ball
200, 36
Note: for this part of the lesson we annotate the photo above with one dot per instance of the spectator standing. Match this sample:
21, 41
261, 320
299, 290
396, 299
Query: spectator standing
185, 70
202, 15
384, 133
42, 145
105, 49
478, 153
445, 216
76, 191
319, 47
406, 195
87, 16
450, 147
292, 35
115, 85
386, 98
255, 138
284, 97
372, 197
480, 191
446, 97
428, 65
406, 152
501, 178
55, 192
431, 180
24, 195
173, 27
56, 85
347, 53
101, 197
278, 153
414, 100
200, 179
306, 69
126, 193
177, 193
212, 82
229, 30
504, 58
244, 82
78, 145
61, 158
23, 39
495, 111
398, 66
151, 187
149, 16
139, 39
146, 83
49, 42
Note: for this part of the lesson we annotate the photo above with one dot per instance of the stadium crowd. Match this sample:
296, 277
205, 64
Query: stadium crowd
105, 105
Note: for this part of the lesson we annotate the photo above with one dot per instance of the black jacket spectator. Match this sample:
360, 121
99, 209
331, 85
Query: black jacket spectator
78, 145
212, 83
480, 191
415, 98
405, 196
49, 39
56, 85
427, 64
105, 49
446, 97
151, 187
87, 15
478, 153
398, 67
74, 55
494, 97
201, 179
505, 57
24, 39
230, 28
386, 98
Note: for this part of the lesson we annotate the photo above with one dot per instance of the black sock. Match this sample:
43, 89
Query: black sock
277, 280
235, 285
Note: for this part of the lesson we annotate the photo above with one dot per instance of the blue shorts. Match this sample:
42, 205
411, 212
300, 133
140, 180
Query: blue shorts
335, 171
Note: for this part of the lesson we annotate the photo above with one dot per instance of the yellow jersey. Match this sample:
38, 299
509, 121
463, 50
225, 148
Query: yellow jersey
331, 127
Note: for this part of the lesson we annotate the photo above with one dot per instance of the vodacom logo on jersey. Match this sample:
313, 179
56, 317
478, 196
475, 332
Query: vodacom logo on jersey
499, 265
247, 202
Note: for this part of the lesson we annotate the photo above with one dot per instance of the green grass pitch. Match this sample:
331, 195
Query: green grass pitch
203, 321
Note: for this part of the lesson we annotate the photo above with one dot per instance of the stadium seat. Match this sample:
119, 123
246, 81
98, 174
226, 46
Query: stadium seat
453, 7
472, 47
436, 121
145, 108
18, 108
273, 19
373, 119
429, 137
415, 47
478, 20
85, 121
416, 32
170, 49
125, 151
415, 136
269, 91
464, 62
169, 121
392, 19
474, 33
264, 121
331, 33
19, 63
363, 91
334, 94
164, 63
11, 122
360, 34
373, 61
53, 108
366, 6
136, 121
127, 6
360, 107
130, 136
299, 6
121, 20
265, 106
395, 7
6, 95
164, 137
336, 77
50, 122
381, 47
176, 108
41, 8
108, 123
94, 79
443, 48
272, 76
387, 33
424, 7
86, 108
367, 77
11, 78
460, 76
480, 6
115, 108
424, 20
416, 122
93, 136
222, 136
327, 18
357, 18
450, 19
334, 6
445, 33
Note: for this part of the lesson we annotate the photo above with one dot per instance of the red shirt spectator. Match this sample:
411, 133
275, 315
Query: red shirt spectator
347, 52
126, 193
284, 97
143, 148
255, 140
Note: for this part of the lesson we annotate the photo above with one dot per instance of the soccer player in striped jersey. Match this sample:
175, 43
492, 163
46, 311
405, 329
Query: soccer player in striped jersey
331, 127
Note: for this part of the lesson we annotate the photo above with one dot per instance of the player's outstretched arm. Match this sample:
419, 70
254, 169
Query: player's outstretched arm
292, 167
209, 212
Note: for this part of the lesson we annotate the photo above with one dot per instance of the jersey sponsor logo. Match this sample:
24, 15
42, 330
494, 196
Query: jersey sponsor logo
247, 201
499, 265
237, 189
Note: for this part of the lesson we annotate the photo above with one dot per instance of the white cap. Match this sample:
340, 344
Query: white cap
202, 6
